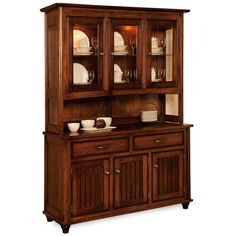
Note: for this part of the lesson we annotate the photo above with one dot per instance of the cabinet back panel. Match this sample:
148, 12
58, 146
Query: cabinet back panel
85, 109
131, 106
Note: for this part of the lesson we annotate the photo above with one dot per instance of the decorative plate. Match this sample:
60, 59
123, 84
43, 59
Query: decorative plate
80, 74
118, 39
80, 39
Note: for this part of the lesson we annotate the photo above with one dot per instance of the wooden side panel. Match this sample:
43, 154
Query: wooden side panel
52, 72
167, 175
130, 186
90, 187
53, 177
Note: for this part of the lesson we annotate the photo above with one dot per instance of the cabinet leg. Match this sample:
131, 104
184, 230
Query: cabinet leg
49, 219
65, 228
185, 205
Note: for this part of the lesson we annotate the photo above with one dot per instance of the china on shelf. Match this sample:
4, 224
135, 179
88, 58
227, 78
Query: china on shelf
81, 45
119, 46
81, 76
157, 46
118, 73
82, 51
157, 51
155, 74
73, 127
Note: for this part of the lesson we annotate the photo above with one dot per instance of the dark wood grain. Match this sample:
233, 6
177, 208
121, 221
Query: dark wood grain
130, 180
136, 166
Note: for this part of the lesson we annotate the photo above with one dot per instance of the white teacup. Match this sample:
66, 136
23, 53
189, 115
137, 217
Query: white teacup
73, 127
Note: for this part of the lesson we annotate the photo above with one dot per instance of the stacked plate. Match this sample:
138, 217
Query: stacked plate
148, 116
119, 46
81, 44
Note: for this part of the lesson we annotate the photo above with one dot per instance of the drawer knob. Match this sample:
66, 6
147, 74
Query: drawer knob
156, 166
106, 172
101, 147
117, 171
157, 141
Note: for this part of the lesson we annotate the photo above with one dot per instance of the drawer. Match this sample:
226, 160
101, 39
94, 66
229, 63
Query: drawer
158, 140
100, 146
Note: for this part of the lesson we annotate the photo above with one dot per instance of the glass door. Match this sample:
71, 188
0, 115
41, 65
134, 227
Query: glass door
162, 48
85, 54
125, 53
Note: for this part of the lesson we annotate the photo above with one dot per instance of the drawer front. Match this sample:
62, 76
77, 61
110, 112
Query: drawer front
100, 147
158, 140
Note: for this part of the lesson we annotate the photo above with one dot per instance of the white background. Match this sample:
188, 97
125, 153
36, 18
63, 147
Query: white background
209, 57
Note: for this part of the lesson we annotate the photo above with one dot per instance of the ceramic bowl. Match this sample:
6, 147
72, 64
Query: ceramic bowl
87, 123
157, 50
83, 49
73, 127
108, 120
120, 48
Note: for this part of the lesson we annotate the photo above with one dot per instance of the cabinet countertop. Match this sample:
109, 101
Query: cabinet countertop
125, 130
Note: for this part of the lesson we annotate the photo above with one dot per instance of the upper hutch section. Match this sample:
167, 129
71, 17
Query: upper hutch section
111, 50
106, 52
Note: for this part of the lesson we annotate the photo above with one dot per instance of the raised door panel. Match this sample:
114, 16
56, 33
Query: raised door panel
167, 175
130, 180
90, 187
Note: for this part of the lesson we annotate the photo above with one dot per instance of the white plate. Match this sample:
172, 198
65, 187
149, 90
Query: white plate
83, 54
153, 74
119, 82
117, 68
152, 120
118, 39
157, 53
80, 74
120, 53
80, 39
96, 129
156, 80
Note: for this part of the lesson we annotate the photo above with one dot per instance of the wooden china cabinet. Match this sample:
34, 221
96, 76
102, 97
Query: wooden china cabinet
117, 62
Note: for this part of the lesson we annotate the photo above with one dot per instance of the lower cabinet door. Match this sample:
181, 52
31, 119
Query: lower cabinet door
167, 175
130, 180
90, 187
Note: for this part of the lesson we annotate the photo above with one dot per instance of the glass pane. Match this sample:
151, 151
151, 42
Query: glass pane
85, 55
162, 54
124, 54
172, 104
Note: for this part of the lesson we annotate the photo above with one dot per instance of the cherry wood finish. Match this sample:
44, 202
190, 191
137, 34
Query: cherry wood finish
167, 175
137, 166
130, 180
90, 187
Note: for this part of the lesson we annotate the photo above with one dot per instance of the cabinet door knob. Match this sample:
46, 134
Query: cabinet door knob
101, 147
101, 53
106, 172
150, 53
157, 140
156, 166
117, 171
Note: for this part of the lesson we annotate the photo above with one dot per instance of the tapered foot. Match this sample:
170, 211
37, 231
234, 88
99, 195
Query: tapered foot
49, 219
185, 205
65, 228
